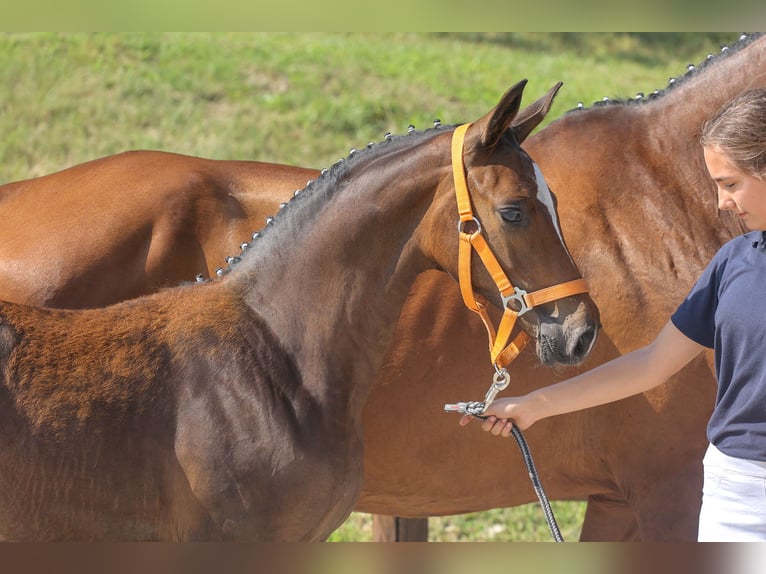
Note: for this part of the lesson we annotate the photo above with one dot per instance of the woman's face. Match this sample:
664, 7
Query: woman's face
738, 191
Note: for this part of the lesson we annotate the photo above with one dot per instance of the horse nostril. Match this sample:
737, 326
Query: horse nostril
584, 343
557, 344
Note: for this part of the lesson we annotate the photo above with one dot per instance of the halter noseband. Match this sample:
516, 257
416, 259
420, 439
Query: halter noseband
500, 353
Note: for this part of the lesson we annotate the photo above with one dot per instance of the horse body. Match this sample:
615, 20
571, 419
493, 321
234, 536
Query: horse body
664, 228
86, 430
113, 430
640, 214
232, 409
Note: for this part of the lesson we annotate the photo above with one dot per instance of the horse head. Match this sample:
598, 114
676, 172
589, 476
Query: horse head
508, 216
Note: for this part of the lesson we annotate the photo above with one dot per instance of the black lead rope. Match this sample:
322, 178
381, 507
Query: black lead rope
475, 409
535, 478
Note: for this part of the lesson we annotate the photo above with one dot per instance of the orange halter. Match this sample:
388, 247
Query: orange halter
501, 352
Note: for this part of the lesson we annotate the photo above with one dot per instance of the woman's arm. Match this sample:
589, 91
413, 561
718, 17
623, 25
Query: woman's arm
627, 375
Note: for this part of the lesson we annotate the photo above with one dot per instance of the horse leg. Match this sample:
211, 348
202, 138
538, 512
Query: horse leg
609, 520
669, 510
397, 529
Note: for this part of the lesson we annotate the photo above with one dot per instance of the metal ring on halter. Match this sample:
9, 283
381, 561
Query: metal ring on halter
474, 220
517, 296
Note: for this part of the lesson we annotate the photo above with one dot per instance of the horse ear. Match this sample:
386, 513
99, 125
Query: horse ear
531, 116
500, 117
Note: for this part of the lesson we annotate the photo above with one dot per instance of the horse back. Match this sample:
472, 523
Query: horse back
130, 224
65, 371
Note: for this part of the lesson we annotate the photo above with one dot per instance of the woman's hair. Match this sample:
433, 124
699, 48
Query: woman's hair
738, 129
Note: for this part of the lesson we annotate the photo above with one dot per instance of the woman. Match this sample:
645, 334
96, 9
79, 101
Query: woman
712, 316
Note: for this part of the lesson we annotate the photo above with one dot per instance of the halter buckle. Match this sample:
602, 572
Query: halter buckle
518, 296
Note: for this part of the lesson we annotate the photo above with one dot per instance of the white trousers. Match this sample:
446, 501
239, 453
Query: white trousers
733, 499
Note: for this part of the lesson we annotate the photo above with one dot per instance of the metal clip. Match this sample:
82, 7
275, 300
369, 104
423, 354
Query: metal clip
455, 407
500, 381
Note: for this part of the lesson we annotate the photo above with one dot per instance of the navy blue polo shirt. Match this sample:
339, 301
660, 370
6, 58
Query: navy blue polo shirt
726, 311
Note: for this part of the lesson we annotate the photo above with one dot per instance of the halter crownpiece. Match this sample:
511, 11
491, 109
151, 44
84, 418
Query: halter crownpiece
501, 352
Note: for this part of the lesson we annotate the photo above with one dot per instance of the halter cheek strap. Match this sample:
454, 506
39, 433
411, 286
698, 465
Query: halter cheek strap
471, 238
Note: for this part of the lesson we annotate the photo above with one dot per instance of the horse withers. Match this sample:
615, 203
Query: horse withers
232, 409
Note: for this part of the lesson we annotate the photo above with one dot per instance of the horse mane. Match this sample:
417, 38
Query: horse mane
675, 82
328, 181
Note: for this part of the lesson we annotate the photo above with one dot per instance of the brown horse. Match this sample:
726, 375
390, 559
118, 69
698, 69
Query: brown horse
639, 215
232, 409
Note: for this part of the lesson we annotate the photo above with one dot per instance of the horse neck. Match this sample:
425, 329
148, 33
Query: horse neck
701, 92
678, 117
331, 274
651, 150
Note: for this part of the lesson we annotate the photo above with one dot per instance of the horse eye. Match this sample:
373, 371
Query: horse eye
511, 214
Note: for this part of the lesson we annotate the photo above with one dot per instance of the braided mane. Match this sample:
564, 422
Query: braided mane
328, 180
691, 71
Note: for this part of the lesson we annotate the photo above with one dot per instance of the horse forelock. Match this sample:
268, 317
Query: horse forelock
674, 83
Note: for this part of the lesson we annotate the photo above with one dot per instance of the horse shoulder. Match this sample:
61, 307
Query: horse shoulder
244, 429
232, 367
212, 206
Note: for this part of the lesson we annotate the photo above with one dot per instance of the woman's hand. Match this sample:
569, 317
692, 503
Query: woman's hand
502, 414
498, 427
627, 375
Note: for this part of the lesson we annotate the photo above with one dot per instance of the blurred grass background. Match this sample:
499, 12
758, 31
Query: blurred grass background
299, 98
306, 99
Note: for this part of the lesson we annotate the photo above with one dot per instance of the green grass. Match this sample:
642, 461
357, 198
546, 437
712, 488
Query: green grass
523, 523
306, 99
299, 98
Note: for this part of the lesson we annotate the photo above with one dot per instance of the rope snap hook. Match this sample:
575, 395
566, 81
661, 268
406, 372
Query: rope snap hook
500, 381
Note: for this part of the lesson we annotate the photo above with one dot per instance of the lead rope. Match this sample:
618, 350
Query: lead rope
476, 409
500, 356
535, 478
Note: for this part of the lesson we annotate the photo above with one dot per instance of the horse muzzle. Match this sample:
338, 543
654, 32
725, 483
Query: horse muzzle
567, 342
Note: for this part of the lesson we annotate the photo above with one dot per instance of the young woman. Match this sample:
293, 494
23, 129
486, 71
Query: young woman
718, 313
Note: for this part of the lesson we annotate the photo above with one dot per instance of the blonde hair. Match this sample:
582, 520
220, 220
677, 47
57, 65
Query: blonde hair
738, 129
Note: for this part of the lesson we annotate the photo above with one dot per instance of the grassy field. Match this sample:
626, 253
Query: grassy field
520, 524
306, 99
303, 98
